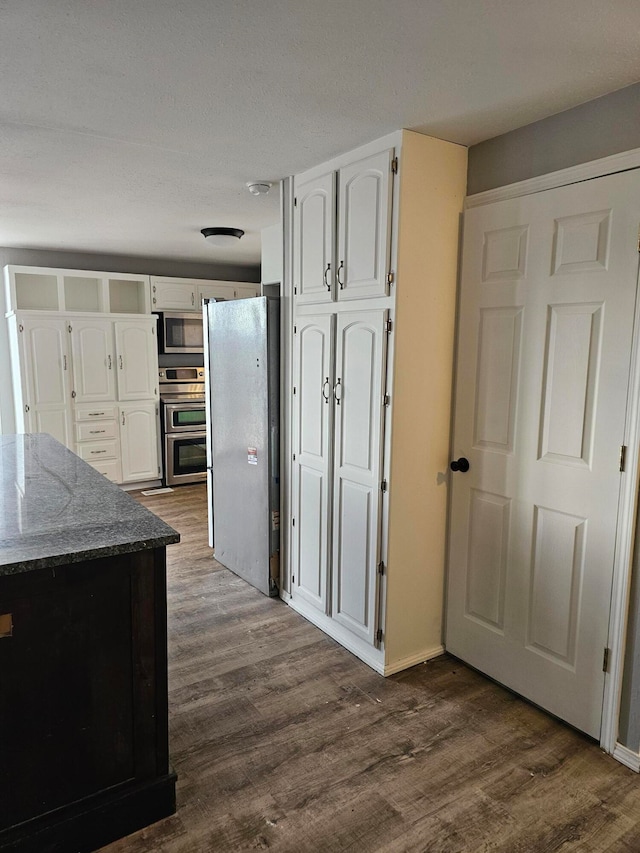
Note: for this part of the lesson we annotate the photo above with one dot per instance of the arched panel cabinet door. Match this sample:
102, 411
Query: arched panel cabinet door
364, 231
314, 224
312, 466
358, 397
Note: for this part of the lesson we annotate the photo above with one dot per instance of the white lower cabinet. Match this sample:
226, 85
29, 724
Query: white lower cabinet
98, 438
139, 442
339, 374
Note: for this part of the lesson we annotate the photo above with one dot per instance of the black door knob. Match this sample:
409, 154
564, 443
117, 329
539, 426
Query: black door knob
461, 465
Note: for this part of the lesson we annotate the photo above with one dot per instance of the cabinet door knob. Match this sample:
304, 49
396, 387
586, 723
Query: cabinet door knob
461, 465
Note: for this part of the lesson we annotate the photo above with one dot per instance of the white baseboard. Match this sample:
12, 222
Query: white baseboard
625, 756
413, 660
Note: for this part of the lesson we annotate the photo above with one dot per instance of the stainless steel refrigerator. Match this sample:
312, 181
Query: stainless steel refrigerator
242, 378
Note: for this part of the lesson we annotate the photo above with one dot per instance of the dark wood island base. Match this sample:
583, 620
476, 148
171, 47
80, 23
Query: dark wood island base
83, 678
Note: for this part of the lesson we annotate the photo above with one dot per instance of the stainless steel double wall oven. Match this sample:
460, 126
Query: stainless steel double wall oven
182, 423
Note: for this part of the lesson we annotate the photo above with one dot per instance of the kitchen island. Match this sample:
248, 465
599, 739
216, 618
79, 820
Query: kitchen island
83, 654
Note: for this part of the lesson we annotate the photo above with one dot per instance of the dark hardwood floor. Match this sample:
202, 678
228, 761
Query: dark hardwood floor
282, 740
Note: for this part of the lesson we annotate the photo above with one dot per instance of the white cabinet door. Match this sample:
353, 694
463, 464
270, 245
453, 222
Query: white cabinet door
246, 291
364, 230
139, 442
314, 223
169, 295
312, 420
46, 370
93, 353
216, 290
137, 359
359, 406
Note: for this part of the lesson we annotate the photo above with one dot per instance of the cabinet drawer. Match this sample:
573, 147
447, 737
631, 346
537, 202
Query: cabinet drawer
96, 430
91, 413
110, 469
94, 450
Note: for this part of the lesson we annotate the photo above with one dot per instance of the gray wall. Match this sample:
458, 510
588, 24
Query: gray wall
102, 263
599, 128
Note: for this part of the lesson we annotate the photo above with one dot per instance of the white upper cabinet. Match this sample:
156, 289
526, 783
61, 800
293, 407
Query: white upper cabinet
186, 294
344, 256
136, 359
314, 239
52, 289
364, 227
173, 295
92, 349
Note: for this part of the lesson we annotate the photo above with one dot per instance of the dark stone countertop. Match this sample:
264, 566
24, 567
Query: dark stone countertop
56, 509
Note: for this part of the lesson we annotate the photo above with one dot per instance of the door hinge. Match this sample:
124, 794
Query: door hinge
383, 486
380, 568
386, 400
394, 166
379, 635
388, 326
390, 277
623, 456
605, 660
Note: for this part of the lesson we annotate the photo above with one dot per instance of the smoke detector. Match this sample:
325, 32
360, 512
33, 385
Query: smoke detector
259, 187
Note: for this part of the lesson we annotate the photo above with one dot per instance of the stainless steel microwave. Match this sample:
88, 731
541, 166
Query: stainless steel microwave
180, 332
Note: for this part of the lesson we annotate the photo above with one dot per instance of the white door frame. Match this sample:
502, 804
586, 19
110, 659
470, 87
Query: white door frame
625, 534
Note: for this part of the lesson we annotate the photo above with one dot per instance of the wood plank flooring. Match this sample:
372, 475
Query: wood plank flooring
284, 741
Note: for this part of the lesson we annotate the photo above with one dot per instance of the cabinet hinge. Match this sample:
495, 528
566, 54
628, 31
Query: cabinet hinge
383, 486
386, 400
295, 201
295, 330
605, 660
73, 395
158, 470
294, 457
69, 329
295, 291
623, 455
394, 165
380, 568
390, 277
379, 635
388, 326
21, 328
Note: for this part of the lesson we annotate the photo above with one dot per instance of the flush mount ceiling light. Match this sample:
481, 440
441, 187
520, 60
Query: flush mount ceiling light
259, 187
222, 236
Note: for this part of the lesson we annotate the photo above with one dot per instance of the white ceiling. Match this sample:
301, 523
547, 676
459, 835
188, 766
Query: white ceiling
127, 126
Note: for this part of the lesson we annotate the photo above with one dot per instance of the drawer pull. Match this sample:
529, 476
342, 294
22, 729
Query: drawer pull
96, 431
95, 414
96, 452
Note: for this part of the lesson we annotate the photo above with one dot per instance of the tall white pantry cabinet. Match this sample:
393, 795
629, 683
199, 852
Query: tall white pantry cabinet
374, 248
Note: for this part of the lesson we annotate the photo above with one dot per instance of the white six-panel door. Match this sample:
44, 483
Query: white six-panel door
546, 321
312, 447
359, 406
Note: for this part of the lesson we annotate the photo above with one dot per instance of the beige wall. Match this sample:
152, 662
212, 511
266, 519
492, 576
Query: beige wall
432, 190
